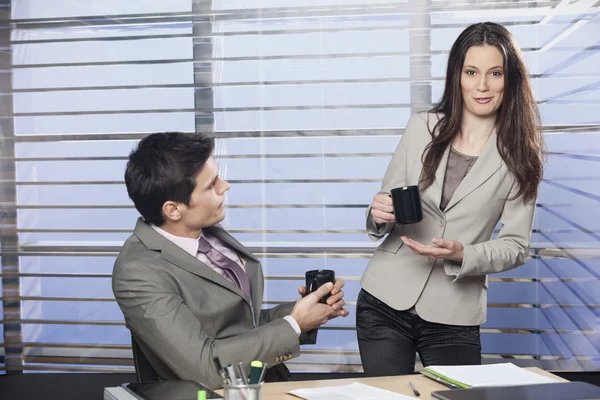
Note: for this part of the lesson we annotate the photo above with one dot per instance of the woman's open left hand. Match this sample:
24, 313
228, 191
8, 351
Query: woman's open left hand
441, 248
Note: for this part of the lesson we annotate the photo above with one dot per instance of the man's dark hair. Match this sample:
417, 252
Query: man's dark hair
163, 167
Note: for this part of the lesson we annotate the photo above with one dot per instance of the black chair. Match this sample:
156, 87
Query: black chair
143, 370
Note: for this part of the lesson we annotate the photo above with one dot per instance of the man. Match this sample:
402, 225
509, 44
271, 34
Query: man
188, 290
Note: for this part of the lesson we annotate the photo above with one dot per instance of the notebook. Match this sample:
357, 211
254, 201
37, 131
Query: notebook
472, 376
354, 391
554, 391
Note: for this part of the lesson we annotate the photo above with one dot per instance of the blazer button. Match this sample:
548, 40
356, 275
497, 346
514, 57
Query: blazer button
441, 222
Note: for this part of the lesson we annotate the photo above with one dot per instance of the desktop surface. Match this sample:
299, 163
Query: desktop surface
546, 391
397, 384
91, 386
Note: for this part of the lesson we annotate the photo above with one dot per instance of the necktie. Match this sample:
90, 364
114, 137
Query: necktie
232, 268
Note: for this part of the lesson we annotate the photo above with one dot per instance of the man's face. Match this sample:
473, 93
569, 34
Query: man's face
206, 202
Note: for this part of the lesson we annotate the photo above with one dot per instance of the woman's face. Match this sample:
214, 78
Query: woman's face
482, 80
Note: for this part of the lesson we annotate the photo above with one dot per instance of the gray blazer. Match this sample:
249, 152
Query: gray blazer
444, 291
182, 313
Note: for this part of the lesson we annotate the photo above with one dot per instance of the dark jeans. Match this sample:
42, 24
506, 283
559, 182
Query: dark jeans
388, 340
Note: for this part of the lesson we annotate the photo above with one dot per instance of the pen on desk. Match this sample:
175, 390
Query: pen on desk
443, 382
447, 384
256, 368
414, 389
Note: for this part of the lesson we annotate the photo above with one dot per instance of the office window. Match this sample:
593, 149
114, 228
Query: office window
307, 101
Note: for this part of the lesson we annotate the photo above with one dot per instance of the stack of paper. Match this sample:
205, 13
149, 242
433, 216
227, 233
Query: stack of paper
470, 376
353, 391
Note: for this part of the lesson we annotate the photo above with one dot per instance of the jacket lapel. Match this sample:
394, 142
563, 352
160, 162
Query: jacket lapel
487, 164
174, 254
255, 275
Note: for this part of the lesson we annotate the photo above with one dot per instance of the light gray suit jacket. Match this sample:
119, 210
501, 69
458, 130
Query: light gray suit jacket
444, 291
182, 313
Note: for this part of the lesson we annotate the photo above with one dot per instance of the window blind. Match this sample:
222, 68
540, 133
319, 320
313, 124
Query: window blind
307, 102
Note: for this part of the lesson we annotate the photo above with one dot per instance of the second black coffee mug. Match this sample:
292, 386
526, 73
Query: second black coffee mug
317, 278
407, 204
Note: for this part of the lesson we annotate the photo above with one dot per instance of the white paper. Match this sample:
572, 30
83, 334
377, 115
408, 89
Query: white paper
354, 391
505, 374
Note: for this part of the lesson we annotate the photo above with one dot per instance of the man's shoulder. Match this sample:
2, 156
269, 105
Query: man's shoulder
134, 253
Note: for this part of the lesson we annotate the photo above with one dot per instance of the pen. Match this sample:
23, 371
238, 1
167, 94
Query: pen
221, 370
232, 376
443, 382
414, 389
242, 372
256, 368
262, 373
447, 384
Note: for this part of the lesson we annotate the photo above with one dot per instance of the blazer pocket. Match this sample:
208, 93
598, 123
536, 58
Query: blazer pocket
481, 279
392, 242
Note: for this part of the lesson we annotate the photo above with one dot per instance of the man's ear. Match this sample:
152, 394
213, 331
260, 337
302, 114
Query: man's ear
172, 210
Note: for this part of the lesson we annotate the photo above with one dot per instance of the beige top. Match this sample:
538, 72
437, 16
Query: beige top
458, 167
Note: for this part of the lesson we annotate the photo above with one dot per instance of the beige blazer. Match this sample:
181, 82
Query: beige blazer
182, 313
444, 291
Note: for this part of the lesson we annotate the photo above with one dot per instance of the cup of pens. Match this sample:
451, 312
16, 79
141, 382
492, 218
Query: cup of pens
243, 392
239, 386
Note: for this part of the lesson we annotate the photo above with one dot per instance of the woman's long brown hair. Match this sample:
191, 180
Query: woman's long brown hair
518, 127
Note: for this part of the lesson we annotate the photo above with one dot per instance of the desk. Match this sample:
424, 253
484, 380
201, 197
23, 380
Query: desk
398, 384
84, 386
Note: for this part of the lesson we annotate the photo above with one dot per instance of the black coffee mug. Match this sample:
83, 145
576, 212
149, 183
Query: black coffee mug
317, 278
407, 204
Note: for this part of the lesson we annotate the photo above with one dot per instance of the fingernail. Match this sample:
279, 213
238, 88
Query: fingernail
329, 285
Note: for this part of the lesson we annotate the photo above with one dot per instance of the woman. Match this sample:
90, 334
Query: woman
477, 158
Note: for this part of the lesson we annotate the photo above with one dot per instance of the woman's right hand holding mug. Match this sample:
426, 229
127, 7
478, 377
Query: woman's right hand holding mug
382, 209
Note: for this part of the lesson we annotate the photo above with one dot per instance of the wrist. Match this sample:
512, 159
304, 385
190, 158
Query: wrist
460, 254
294, 324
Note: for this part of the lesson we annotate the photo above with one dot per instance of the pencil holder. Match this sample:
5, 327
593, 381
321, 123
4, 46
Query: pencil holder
243, 392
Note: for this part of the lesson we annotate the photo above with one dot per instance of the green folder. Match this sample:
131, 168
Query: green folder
444, 380
472, 376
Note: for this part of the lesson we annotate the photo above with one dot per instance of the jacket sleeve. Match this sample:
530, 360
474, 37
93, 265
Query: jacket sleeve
510, 248
395, 176
159, 317
281, 311
274, 313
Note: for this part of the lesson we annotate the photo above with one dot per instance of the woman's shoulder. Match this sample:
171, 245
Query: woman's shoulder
422, 123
